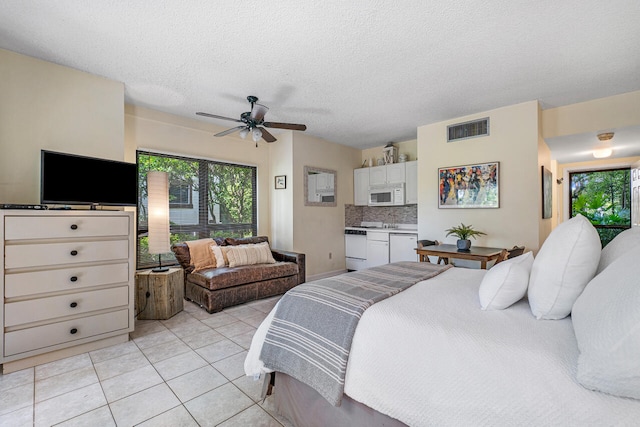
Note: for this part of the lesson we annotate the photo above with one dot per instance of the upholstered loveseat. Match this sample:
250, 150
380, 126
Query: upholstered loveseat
231, 283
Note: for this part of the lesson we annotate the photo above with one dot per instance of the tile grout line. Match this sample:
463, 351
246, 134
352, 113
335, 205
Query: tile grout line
189, 317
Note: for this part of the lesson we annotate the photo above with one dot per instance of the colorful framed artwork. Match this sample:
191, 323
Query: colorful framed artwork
547, 178
281, 182
469, 186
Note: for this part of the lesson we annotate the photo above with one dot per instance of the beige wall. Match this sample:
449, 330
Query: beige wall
319, 230
544, 159
282, 199
514, 142
47, 106
592, 116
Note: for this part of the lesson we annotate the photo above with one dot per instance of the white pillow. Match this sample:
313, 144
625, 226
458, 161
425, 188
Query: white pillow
505, 283
606, 320
619, 246
566, 262
221, 261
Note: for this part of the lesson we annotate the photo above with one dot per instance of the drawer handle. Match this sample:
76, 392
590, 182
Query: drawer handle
73, 304
74, 226
74, 278
74, 252
73, 331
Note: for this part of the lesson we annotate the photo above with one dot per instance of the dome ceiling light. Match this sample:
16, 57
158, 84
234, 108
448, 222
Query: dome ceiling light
604, 149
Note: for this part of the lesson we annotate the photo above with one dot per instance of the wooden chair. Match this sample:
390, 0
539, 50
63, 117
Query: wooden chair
515, 251
425, 258
509, 253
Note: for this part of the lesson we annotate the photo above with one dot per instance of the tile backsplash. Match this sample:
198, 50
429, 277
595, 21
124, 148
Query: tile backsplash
354, 215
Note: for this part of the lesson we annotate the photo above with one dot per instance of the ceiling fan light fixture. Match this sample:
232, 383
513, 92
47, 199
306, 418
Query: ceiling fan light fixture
256, 135
243, 133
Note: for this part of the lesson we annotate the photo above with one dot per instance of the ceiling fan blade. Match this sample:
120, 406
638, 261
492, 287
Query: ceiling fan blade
291, 126
214, 116
228, 131
257, 112
267, 136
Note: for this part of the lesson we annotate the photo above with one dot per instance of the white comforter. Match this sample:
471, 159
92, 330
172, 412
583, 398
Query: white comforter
430, 356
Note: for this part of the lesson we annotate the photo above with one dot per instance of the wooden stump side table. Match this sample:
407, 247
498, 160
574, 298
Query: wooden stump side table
166, 294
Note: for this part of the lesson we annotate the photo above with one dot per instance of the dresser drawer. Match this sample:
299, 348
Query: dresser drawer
37, 282
64, 227
64, 332
36, 310
47, 254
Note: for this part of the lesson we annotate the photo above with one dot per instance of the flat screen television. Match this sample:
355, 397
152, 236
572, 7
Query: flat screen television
69, 179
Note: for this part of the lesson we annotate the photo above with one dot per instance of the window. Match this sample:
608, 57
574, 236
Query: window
180, 194
603, 197
206, 199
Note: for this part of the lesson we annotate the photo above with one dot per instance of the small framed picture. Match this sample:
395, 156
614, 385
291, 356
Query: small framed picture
281, 182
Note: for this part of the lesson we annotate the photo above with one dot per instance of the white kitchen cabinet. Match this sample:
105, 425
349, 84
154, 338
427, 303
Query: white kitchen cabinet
324, 183
411, 186
377, 248
311, 188
378, 175
66, 283
402, 247
396, 173
361, 186
387, 174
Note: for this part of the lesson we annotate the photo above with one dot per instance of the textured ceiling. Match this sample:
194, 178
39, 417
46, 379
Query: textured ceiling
359, 72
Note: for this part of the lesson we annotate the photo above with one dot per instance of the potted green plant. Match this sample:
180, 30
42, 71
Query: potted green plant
463, 232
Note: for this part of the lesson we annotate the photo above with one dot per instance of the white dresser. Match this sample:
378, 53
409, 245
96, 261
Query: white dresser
67, 283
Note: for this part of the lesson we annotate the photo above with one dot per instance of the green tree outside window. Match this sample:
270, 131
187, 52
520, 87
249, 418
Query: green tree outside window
603, 197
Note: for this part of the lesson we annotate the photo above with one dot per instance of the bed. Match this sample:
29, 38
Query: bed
430, 355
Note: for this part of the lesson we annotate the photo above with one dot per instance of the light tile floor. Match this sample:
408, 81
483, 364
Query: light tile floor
184, 371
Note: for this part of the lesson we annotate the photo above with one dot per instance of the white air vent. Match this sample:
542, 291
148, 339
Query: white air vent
468, 130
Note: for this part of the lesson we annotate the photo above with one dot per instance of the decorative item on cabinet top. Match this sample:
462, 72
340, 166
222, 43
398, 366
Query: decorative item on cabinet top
389, 154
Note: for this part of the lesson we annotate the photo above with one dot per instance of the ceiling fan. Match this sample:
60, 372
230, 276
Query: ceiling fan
253, 121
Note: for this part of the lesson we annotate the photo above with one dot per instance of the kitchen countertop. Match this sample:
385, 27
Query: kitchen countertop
399, 230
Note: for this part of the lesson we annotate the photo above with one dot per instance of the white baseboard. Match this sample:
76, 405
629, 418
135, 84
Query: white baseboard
325, 275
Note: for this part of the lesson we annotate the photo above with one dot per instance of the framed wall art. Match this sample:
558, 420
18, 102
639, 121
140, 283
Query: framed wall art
469, 186
281, 182
547, 178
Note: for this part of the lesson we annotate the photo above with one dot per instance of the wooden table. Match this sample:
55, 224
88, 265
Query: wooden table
166, 294
445, 252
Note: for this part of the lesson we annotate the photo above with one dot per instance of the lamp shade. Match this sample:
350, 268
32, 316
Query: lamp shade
256, 135
158, 211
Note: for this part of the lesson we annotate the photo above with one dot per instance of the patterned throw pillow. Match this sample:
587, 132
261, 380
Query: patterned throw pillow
251, 254
221, 259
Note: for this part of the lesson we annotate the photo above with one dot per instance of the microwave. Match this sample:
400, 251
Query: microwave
386, 195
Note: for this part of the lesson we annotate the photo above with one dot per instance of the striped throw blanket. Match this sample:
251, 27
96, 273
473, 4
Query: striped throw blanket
311, 333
